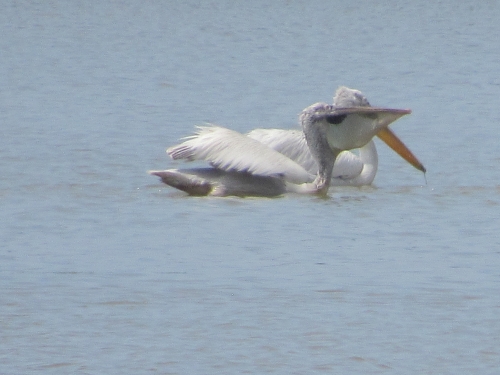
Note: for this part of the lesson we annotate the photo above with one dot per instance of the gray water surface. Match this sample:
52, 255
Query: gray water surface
105, 270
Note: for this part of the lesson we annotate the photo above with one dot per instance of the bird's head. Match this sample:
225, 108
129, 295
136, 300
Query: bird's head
351, 123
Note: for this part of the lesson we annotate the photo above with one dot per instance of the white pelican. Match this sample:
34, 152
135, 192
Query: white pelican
270, 162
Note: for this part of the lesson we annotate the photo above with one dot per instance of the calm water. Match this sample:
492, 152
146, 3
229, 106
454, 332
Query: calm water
105, 270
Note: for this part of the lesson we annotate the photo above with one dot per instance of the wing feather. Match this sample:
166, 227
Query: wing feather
291, 143
232, 151
353, 170
347, 166
350, 168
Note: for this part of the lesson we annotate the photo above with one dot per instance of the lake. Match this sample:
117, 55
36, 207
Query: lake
105, 270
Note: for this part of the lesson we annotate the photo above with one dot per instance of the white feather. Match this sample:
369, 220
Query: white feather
270, 162
350, 168
353, 170
291, 143
232, 151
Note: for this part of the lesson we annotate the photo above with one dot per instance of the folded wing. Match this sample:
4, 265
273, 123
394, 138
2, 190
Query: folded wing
232, 151
356, 170
350, 168
291, 143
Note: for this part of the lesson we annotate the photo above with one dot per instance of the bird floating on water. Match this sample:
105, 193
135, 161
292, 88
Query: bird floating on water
271, 162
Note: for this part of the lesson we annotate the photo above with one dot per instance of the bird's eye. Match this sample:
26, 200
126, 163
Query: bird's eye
335, 119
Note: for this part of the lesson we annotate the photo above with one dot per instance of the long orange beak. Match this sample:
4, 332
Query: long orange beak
397, 145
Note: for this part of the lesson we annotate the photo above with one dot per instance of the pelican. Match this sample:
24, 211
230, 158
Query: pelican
271, 162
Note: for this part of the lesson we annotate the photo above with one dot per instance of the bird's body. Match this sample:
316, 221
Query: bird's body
271, 162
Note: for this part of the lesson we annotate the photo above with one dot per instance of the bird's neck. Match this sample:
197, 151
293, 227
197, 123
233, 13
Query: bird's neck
325, 169
315, 133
